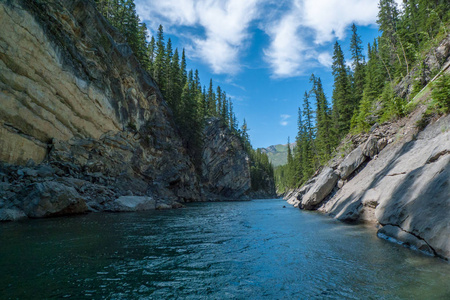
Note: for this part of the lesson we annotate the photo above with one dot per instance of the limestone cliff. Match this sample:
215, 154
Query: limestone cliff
225, 167
83, 125
397, 176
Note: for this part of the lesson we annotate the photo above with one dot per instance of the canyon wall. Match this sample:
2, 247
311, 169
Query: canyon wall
83, 125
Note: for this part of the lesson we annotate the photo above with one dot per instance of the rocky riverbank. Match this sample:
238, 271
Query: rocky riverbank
398, 179
397, 176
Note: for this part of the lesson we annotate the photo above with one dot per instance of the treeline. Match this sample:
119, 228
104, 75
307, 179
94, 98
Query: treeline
364, 94
190, 102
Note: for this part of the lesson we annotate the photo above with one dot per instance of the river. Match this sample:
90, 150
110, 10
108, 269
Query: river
228, 250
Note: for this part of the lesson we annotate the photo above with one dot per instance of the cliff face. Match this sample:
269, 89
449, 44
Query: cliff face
225, 167
80, 117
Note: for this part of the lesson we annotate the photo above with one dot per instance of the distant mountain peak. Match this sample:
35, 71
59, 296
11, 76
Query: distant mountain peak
277, 153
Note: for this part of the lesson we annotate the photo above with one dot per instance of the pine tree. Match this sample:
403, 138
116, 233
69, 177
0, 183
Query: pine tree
183, 68
358, 65
225, 108
175, 84
169, 76
308, 147
325, 140
211, 100
151, 55
219, 101
160, 58
343, 104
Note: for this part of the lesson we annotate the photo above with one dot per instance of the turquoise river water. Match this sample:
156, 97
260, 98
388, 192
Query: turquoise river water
228, 250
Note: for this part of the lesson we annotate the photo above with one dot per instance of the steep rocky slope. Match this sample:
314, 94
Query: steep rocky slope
82, 125
397, 176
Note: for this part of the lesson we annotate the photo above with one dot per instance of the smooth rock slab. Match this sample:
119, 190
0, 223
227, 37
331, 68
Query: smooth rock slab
351, 162
323, 186
134, 203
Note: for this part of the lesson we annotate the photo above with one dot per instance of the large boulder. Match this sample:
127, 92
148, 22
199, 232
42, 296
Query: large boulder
370, 147
134, 203
321, 188
420, 204
49, 199
406, 187
351, 162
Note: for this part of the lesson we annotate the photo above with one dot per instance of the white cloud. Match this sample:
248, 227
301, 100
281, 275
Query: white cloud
284, 120
285, 51
310, 23
225, 24
330, 18
325, 59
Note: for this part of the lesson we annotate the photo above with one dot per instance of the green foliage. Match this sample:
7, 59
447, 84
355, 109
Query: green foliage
343, 102
393, 106
261, 170
441, 94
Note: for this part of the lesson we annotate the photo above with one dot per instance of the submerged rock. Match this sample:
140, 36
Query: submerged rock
11, 214
134, 203
398, 235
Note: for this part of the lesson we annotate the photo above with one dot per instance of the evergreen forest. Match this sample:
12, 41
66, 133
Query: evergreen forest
364, 94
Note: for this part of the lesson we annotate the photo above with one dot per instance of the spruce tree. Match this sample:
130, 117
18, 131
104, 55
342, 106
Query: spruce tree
343, 104
160, 60
325, 140
358, 65
151, 48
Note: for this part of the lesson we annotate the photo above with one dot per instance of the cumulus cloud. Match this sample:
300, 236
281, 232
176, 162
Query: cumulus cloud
284, 120
330, 18
285, 51
311, 23
325, 59
224, 23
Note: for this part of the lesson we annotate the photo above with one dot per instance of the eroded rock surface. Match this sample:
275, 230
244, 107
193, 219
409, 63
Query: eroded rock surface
225, 167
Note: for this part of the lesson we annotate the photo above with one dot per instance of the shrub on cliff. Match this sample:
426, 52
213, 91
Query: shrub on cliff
441, 94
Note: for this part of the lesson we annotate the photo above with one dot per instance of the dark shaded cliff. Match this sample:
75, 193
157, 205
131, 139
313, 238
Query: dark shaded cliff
225, 164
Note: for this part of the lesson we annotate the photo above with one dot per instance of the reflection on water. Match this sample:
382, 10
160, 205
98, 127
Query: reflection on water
247, 250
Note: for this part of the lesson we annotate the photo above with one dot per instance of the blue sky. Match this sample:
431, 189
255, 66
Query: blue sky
262, 52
